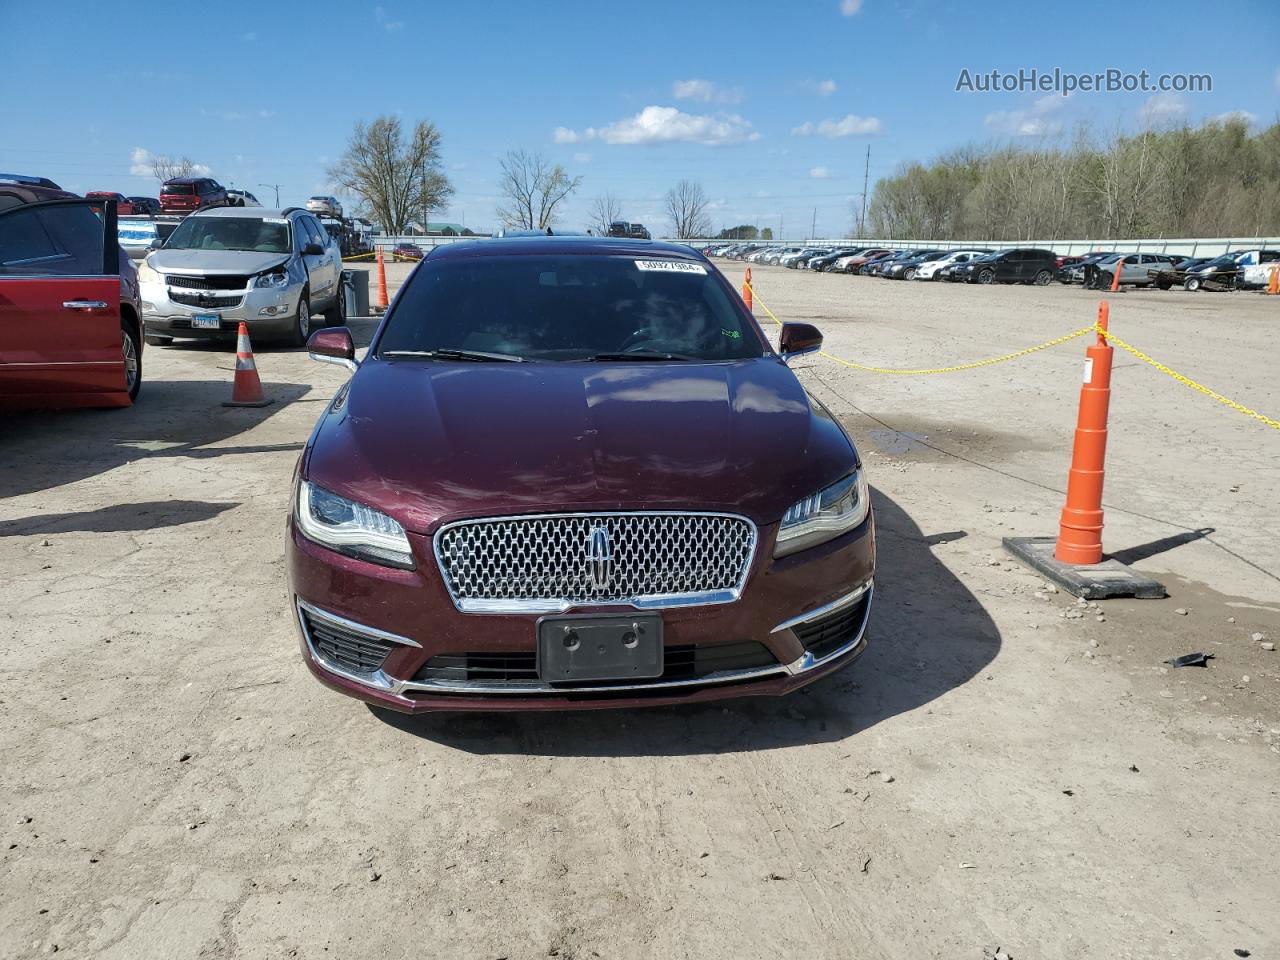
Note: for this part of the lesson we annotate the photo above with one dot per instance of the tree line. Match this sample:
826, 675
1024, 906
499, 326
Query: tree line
1214, 180
398, 177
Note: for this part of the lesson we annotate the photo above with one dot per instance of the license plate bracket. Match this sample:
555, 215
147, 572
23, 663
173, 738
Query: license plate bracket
599, 648
206, 321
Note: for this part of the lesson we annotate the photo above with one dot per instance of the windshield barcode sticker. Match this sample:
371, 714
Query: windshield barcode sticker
670, 266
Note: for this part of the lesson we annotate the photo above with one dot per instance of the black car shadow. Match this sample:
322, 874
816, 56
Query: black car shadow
117, 518
362, 330
172, 418
928, 635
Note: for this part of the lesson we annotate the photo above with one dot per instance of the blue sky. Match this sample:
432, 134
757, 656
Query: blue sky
770, 105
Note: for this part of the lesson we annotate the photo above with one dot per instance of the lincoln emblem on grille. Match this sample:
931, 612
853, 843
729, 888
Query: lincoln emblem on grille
599, 557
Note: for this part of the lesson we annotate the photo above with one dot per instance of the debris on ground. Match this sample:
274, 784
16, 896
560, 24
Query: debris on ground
1191, 660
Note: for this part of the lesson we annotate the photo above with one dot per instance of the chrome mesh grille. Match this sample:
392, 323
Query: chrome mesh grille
553, 562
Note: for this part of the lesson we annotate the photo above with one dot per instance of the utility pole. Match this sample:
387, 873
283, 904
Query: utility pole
779, 226
276, 188
862, 218
426, 226
813, 227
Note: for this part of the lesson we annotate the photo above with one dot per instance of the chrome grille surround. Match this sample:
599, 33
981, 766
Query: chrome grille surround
549, 563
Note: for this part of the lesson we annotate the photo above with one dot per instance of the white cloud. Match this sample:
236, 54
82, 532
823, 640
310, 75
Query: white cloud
826, 88
140, 164
387, 24
1035, 121
656, 124
850, 7
266, 114
582, 158
250, 36
1162, 108
820, 173
848, 126
706, 91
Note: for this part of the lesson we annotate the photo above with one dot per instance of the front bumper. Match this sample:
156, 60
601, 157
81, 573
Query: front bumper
167, 317
823, 592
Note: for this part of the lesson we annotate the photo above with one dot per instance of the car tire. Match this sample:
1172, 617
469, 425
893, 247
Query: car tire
1042, 278
1164, 284
132, 351
336, 315
987, 276
153, 341
1193, 284
301, 324
909, 274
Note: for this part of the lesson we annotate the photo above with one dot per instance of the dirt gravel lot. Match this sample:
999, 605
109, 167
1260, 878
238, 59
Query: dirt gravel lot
991, 774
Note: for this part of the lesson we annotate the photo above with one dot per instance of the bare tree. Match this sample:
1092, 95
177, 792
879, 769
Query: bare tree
687, 209
165, 168
532, 188
605, 209
396, 180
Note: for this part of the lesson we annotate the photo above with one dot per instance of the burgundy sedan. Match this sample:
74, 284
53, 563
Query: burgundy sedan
572, 473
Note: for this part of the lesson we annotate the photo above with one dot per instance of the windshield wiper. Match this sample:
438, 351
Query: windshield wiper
635, 355
450, 354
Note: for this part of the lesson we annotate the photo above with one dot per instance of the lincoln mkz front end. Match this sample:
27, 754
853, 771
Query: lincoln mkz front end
571, 473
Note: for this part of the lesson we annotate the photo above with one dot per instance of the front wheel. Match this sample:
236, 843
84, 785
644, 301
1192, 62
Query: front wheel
987, 276
1192, 284
909, 274
1042, 278
302, 327
132, 360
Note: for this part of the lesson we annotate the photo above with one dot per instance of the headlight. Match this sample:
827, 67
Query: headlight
824, 516
147, 273
351, 528
280, 279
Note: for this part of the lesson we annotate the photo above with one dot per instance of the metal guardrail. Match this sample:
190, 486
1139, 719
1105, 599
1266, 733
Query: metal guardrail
1186, 247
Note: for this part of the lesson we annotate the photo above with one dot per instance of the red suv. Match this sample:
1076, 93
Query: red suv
124, 206
188, 194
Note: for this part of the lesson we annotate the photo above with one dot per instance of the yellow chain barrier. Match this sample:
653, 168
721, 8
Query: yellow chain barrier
1187, 381
1184, 380
359, 256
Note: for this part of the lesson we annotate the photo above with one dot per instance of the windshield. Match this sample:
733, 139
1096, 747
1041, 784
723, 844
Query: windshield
570, 307
231, 233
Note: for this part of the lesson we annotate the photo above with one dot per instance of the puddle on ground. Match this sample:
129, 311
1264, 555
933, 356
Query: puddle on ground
896, 441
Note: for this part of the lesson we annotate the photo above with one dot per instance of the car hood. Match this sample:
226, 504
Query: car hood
214, 261
427, 442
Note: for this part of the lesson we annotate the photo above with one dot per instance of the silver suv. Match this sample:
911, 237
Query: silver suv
329, 206
273, 269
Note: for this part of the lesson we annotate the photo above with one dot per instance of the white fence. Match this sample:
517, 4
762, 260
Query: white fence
1184, 247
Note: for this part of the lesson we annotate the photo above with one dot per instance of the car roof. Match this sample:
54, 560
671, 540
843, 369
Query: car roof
600, 246
186, 179
253, 213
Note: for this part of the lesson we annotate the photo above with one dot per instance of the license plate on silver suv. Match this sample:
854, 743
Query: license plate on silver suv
206, 322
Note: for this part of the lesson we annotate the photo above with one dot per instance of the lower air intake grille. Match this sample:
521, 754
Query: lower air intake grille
205, 300
679, 663
835, 630
343, 647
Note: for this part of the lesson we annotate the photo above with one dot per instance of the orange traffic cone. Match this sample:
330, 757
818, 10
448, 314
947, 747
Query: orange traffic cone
746, 289
1274, 285
1115, 277
1080, 532
382, 282
247, 391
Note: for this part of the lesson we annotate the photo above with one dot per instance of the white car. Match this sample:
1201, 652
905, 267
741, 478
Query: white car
241, 198
929, 269
328, 206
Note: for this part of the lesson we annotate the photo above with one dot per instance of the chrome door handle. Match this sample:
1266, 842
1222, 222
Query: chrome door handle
84, 304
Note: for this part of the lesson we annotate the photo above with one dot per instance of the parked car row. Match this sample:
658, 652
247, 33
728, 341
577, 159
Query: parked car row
1244, 269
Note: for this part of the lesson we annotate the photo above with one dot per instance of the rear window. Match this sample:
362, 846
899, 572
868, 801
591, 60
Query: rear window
569, 307
184, 189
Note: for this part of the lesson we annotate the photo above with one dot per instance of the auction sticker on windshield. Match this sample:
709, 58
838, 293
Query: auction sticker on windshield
670, 266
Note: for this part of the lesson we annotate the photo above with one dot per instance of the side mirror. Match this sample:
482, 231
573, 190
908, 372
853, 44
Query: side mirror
313, 250
799, 338
333, 345
155, 244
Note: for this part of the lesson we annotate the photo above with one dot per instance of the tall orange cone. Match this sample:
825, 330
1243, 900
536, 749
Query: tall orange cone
247, 390
382, 282
1274, 285
1115, 277
746, 289
1080, 532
